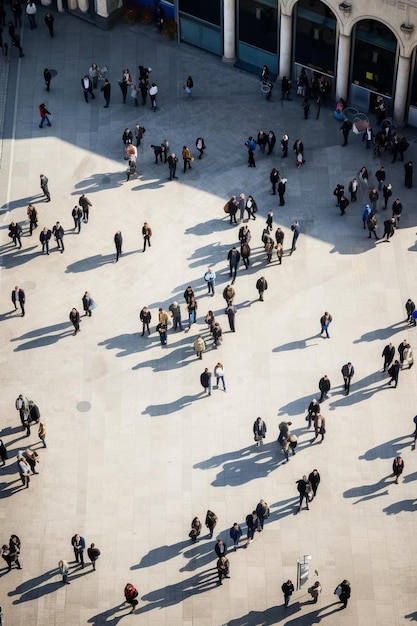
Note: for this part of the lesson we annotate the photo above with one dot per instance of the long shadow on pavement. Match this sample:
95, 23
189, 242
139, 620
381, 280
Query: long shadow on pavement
157, 410
176, 593
96, 261
388, 450
108, 617
409, 506
383, 333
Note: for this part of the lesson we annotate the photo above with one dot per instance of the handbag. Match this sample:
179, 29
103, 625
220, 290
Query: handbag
226, 209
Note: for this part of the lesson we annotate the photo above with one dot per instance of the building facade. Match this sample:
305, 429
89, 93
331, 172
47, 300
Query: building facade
364, 48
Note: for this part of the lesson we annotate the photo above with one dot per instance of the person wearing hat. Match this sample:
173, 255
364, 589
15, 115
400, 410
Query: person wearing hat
281, 190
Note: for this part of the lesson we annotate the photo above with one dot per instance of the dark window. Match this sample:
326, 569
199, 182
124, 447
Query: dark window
315, 38
207, 10
258, 24
374, 57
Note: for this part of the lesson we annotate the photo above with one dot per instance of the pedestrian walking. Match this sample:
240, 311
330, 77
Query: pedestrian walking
3, 452
223, 568
192, 311
31, 13
287, 589
315, 591
325, 321
251, 146
145, 317
219, 374
253, 524
324, 386
319, 428
366, 211
42, 433
410, 307
394, 372
85, 204
24, 470
78, 544
199, 346
282, 187
153, 92
44, 187
285, 88
397, 209
172, 164
312, 412
45, 238
263, 512
18, 297
205, 380
74, 317
343, 592
231, 315
189, 84
259, 431
17, 13
261, 286
408, 357
93, 554
373, 199
87, 87
131, 594
210, 278
64, 571
220, 548
388, 355
175, 310
34, 413
211, 522
304, 489
345, 129
58, 233
295, 227
233, 257
43, 112
363, 176
380, 175
284, 145
88, 303
372, 224
118, 242
353, 189
195, 530
408, 174
347, 372
201, 146
314, 480
147, 234
389, 229
49, 21
33, 218
77, 215
235, 534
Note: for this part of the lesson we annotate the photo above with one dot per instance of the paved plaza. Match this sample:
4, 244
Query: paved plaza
135, 450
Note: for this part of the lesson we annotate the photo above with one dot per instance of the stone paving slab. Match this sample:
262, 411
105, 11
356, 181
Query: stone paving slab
150, 453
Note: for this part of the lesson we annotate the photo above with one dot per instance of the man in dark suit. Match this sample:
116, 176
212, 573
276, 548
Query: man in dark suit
44, 238
347, 372
18, 296
220, 548
118, 242
233, 257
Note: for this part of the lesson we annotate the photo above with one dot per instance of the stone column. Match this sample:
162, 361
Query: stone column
342, 72
285, 42
401, 88
229, 31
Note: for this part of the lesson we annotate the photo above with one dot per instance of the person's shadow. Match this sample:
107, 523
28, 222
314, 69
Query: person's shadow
108, 617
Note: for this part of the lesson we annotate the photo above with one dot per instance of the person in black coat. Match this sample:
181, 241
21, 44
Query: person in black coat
314, 480
47, 76
145, 318
118, 242
87, 302
408, 174
44, 238
282, 187
324, 386
18, 296
343, 204
348, 372
274, 178
312, 411
49, 21
271, 141
388, 353
303, 488
261, 286
397, 209
394, 372
220, 548
233, 257
259, 431
252, 522
15, 230
410, 307
74, 317
389, 229
106, 91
